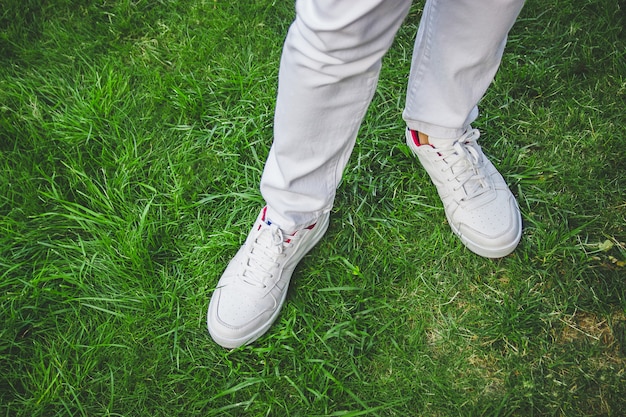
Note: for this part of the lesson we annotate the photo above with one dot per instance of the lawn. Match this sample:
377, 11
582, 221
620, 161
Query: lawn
132, 138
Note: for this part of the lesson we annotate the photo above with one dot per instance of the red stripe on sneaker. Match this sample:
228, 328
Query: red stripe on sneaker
415, 137
310, 227
288, 240
263, 213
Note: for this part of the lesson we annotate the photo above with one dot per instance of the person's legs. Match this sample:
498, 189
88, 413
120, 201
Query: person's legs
329, 69
328, 74
457, 52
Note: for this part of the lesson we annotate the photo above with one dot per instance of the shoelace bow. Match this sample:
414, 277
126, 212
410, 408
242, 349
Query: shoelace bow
463, 161
267, 247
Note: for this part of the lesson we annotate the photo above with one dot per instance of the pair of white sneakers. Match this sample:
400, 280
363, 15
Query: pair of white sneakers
478, 204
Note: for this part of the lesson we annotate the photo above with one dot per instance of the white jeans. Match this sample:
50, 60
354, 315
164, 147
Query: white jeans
328, 74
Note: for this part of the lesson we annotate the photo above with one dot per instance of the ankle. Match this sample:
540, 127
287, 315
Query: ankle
419, 138
422, 138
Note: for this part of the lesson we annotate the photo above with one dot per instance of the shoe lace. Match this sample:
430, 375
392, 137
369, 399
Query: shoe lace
464, 161
266, 250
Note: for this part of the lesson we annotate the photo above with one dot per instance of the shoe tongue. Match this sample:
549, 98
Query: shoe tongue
271, 237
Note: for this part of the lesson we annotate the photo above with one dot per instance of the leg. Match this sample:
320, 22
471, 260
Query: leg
328, 74
457, 52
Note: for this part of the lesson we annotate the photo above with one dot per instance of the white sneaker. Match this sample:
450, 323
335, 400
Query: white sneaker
480, 208
252, 289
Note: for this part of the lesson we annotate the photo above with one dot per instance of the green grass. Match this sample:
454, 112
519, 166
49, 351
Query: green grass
132, 139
